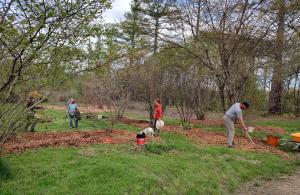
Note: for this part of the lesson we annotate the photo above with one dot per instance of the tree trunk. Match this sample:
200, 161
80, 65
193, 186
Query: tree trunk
275, 95
198, 19
156, 34
199, 115
221, 90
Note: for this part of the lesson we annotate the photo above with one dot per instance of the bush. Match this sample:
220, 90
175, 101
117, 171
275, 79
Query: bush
13, 118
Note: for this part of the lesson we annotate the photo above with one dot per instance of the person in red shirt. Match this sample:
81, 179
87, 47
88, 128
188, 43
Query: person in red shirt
157, 115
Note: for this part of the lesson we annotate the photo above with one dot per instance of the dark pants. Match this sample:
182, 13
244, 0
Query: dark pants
31, 121
71, 119
32, 128
156, 130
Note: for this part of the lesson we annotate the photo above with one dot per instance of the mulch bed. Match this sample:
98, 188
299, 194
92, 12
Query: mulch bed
269, 129
218, 138
266, 129
30, 140
209, 122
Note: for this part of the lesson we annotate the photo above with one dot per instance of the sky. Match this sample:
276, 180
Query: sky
119, 7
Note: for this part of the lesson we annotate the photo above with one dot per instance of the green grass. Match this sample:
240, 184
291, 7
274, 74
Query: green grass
180, 168
59, 123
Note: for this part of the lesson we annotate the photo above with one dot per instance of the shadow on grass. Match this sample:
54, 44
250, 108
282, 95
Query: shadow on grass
5, 173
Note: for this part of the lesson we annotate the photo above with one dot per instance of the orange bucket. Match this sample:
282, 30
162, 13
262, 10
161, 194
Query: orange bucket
140, 141
272, 141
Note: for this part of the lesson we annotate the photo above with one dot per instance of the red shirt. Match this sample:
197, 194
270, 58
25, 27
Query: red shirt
158, 113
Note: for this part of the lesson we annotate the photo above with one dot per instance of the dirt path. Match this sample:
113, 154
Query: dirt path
286, 185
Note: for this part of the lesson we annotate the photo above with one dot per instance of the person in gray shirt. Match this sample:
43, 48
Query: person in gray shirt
232, 115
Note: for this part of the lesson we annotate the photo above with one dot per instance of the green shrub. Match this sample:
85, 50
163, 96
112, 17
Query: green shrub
13, 118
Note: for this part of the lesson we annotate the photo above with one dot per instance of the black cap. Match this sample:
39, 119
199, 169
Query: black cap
247, 104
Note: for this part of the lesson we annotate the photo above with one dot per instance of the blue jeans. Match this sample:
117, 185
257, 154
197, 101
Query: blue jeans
71, 119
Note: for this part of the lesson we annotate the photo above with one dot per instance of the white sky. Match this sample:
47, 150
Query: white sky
119, 7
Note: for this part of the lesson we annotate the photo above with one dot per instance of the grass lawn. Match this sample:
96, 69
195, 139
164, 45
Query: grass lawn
177, 166
60, 123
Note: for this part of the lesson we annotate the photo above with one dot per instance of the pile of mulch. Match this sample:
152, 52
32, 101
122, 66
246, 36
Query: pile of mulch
29, 140
269, 129
216, 138
209, 122
135, 122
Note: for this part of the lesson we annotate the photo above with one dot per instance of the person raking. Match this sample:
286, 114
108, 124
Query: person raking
233, 115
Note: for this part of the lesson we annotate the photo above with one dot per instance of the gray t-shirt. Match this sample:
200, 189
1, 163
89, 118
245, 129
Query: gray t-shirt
234, 112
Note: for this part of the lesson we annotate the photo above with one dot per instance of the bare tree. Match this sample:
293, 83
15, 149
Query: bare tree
224, 37
111, 91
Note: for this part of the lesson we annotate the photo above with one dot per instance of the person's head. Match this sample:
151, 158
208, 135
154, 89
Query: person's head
157, 101
245, 105
72, 101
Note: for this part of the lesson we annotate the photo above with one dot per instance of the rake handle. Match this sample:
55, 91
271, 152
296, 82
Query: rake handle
249, 137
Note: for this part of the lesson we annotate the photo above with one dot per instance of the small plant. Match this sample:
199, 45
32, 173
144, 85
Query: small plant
187, 125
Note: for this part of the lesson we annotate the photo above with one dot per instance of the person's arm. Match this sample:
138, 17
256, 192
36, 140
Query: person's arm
68, 108
161, 113
242, 122
154, 112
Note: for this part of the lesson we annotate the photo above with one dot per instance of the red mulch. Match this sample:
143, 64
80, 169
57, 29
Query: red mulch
269, 129
26, 141
135, 122
217, 138
29, 140
209, 122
